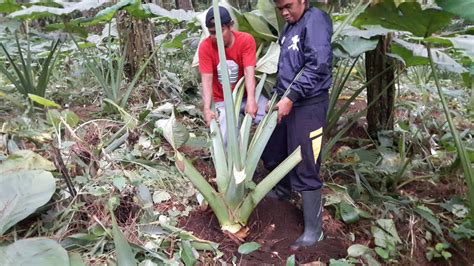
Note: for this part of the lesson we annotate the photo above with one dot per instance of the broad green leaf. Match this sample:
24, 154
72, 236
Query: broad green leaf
43, 101
428, 215
349, 213
462, 8
176, 14
75, 259
123, 250
367, 32
160, 196
385, 233
34, 251
416, 54
70, 117
260, 25
173, 131
357, 250
25, 160
53, 117
21, 193
355, 46
290, 261
40, 11
269, 62
248, 248
408, 16
268, 11
340, 262
9, 6
188, 253
382, 252
465, 43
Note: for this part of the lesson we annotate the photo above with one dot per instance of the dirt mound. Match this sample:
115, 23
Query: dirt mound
275, 225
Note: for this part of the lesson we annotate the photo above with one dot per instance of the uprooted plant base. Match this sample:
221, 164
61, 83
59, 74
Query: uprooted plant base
275, 225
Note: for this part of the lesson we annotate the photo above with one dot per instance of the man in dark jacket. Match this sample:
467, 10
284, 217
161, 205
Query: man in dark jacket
305, 47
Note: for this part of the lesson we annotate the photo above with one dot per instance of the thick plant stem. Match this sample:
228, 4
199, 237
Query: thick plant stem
462, 154
215, 202
254, 197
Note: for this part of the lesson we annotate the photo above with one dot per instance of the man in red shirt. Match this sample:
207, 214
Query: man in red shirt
240, 51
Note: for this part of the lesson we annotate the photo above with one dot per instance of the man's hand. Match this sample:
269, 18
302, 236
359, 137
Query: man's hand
284, 107
208, 116
251, 108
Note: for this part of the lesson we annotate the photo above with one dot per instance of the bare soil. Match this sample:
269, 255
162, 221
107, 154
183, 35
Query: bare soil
275, 225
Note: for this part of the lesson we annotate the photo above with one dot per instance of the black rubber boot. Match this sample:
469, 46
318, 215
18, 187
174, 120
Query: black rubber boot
313, 222
280, 192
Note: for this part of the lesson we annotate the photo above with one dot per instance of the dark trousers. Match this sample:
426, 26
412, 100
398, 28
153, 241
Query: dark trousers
302, 127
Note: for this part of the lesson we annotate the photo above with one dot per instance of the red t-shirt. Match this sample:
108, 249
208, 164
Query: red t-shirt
242, 52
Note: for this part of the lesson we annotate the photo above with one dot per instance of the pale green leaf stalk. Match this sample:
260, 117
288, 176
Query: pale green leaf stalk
235, 199
462, 154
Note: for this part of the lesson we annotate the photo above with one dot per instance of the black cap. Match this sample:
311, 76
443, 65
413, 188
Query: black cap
225, 17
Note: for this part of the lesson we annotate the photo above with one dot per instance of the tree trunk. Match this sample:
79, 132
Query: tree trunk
184, 4
380, 114
136, 38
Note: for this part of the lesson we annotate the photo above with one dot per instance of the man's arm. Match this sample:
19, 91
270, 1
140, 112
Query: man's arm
207, 98
249, 58
251, 106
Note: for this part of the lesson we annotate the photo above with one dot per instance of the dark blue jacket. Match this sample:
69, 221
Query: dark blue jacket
306, 43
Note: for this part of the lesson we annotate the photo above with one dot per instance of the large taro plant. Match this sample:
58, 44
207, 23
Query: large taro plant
236, 195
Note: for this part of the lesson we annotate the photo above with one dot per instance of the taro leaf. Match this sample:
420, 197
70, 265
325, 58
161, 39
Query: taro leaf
385, 234
187, 253
244, 25
176, 14
340, 262
465, 43
428, 215
268, 12
25, 160
175, 133
260, 26
416, 54
34, 251
349, 213
37, 11
269, 62
291, 260
43, 101
408, 16
358, 250
462, 8
140, 11
70, 117
355, 46
160, 196
75, 259
9, 6
406, 56
367, 32
54, 117
248, 248
123, 250
382, 252
21, 193
456, 206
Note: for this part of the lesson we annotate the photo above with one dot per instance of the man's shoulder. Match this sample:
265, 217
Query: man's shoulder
205, 44
316, 14
243, 35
